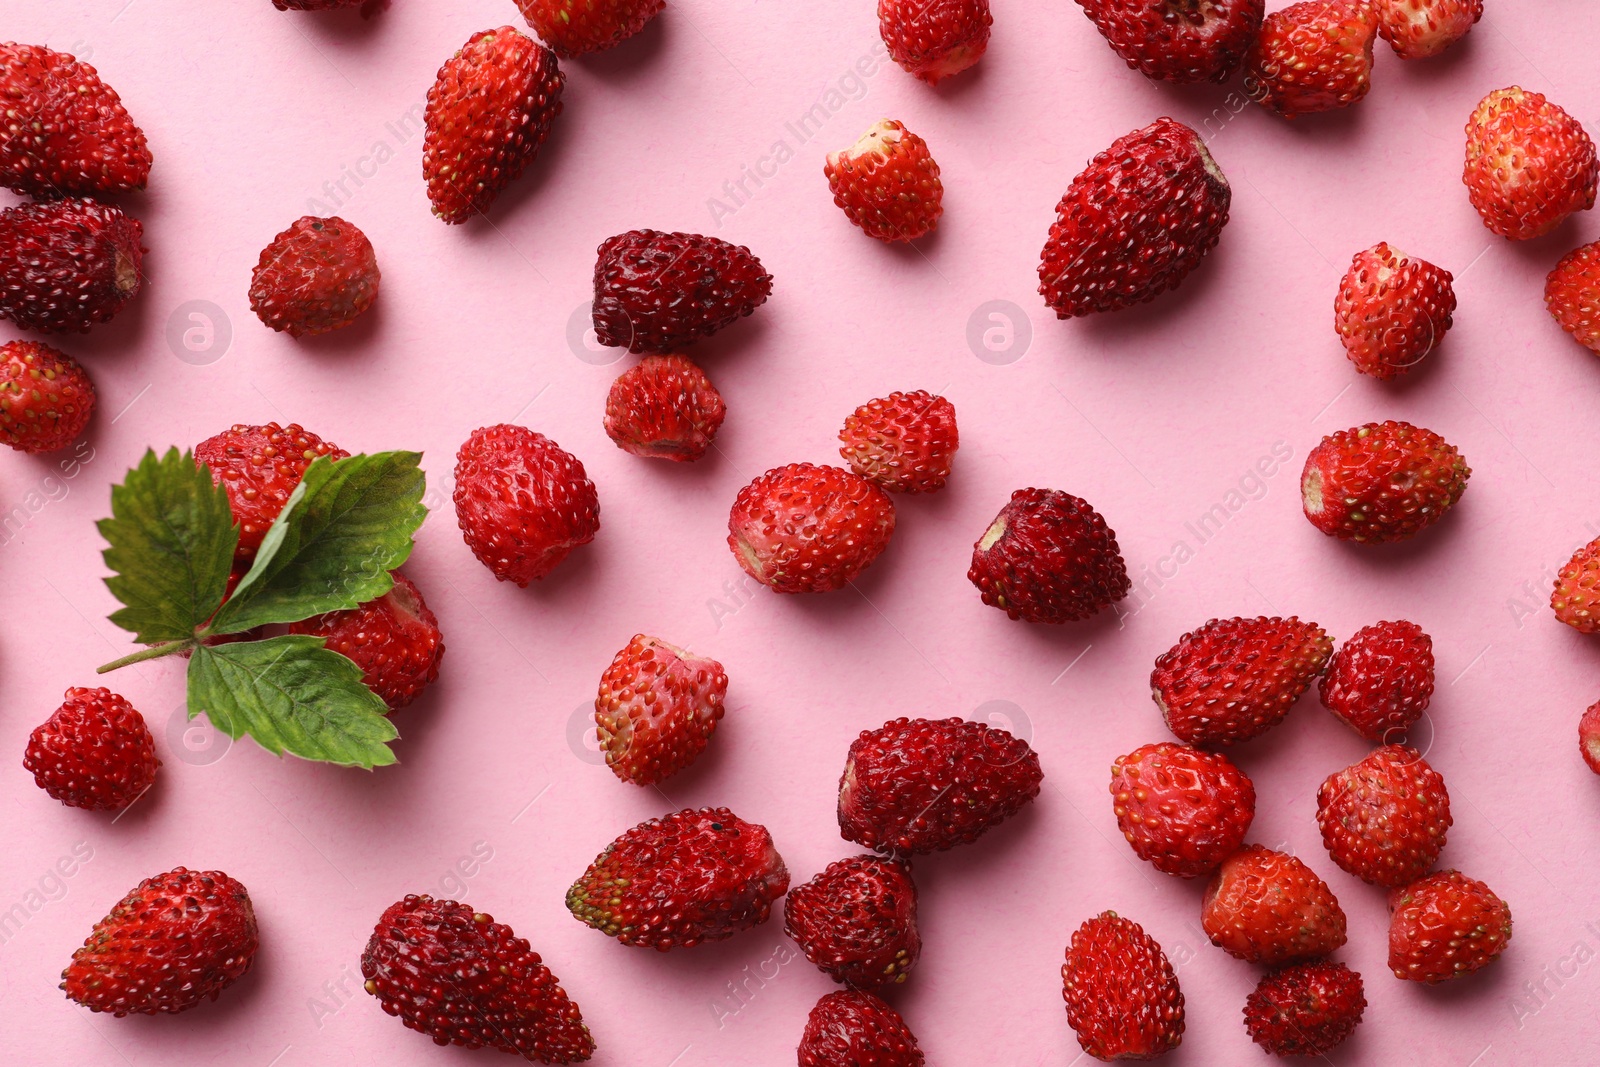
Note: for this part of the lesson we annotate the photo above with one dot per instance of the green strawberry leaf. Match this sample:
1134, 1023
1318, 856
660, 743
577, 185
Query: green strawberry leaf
292, 695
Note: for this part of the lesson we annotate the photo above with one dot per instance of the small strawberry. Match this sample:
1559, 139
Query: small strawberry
1380, 680
1268, 907
1305, 1010
1418, 29
809, 529
1182, 809
926, 785
316, 276
857, 921
1392, 310
1384, 819
66, 265
177, 940
1529, 164
1234, 679
850, 1028
46, 397
1178, 40
658, 292
664, 408
259, 466
1576, 599
1572, 293
1156, 190
394, 639
1445, 926
1381, 482
1312, 56
934, 39
905, 442
684, 878
887, 183
65, 132
657, 708
523, 503
1048, 557
94, 752
1123, 999
464, 979
571, 28
488, 113
1589, 737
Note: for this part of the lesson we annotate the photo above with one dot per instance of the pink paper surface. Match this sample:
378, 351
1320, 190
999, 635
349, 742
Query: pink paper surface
1204, 402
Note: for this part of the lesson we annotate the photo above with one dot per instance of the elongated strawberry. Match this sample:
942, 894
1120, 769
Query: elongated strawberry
1385, 818
94, 752
657, 708
664, 407
934, 39
571, 28
67, 265
1445, 926
1381, 482
1392, 310
852, 1028
1572, 293
65, 132
1267, 907
1123, 999
395, 640
1183, 810
259, 466
658, 292
46, 397
1305, 1010
1313, 56
1381, 680
1178, 40
522, 501
809, 529
1048, 557
1234, 679
1529, 164
316, 276
905, 442
857, 921
1418, 29
887, 183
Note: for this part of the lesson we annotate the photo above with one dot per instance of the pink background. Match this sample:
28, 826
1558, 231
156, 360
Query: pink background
1154, 415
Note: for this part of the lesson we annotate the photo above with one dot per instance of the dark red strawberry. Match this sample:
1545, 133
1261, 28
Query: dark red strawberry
1182, 809
887, 183
1392, 310
658, 292
67, 264
1529, 164
934, 39
1381, 482
1048, 557
1445, 926
905, 442
1234, 679
94, 752
571, 29
1305, 1010
664, 408
316, 276
850, 1028
657, 708
1380, 681
464, 979
66, 132
1313, 56
1572, 293
259, 466
1385, 818
857, 921
1178, 40
1589, 737
394, 639
46, 397
809, 529
1268, 907
1123, 999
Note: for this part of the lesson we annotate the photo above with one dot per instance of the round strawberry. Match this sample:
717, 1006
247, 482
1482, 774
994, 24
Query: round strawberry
94, 752
664, 408
1313, 56
46, 397
1380, 681
66, 131
67, 264
1529, 164
1181, 41
809, 529
1267, 907
571, 29
1048, 557
1576, 599
523, 503
1234, 679
1589, 737
1392, 310
1123, 999
905, 442
1381, 482
394, 639
1418, 29
658, 292
1572, 293
1384, 819
1445, 926
1305, 1010
657, 708
259, 466
1183, 810
934, 39
857, 921
316, 276
887, 183
850, 1028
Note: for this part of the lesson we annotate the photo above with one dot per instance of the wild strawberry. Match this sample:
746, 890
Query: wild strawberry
1576, 599
67, 264
664, 408
316, 276
887, 183
905, 441
1305, 1010
809, 529
1178, 40
1156, 190
394, 639
1048, 557
1381, 482
851, 1028
658, 292
177, 940
1385, 818
934, 39
488, 113
1392, 310
1529, 164
1572, 293
1589, 737
1380, 680
1445, 926
64, 131
94, 752
1123, 999
259, 466
1418, 29
684, 878
657, 709
1234, 679
464, 979
523, 503
1268, 907
1312, 56
46, 397
926, 785
1182, 809
857, 921
572, 29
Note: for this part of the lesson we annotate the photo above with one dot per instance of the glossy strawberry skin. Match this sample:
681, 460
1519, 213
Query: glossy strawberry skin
1183, 810
934, 39
805, 528
1268, 907
522, 501
853, 1028
1313, 56
1445, 926
316, 276
1156, 190
1572, 293
1529, 164
394, 639
1123, 999
1178, 40
1381, 482
1380, 681
65, 132
1576, 597
1385, 818
67, 265
887, 183
659, 292
664, 407
463, 979
905, 442
1420, 29
94, 752
857, 921
657, 708
1589, 737
46, 397
1392, 310
1048, 557
1305, 1010
1234, 679
258, 467
573, 29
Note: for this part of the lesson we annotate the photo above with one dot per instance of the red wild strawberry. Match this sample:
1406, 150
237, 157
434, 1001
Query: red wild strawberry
1384, 819
1156, 190
657, 708
1305, 1010
905, 441
1178, 40
94, 752
488, 113
1182, 809
1572, 293
1445, 926
65, 132
394, 639
1313, 56
857, 921
46, 397
809, 529
67, 264
259, 466
926, 785
1418, 29
1268, 907
1589, 737
850, 1028
1123, 1000
664, 408
1576, 599
316, 276
1234, 679
934, 39
571, 29
1529, 164
684, 878
658, 292
1380, 681
887, 183
1392, 310
523, 503
1048, 557
177, 940
1381, 482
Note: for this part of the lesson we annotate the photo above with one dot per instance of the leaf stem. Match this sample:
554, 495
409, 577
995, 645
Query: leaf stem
165, 648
